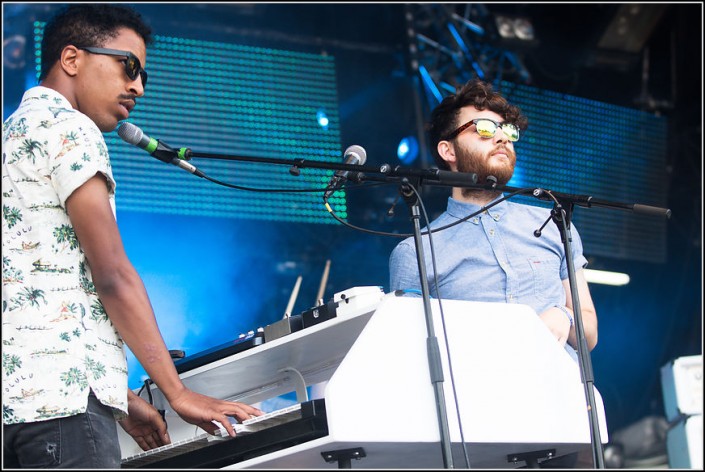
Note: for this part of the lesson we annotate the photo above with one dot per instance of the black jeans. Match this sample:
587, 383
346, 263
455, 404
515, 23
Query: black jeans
88, 441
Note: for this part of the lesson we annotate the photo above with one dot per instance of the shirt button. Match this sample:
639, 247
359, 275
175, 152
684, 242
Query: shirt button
495, 217
491, 232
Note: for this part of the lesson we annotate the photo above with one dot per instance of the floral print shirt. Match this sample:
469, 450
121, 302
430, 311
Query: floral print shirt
57, 340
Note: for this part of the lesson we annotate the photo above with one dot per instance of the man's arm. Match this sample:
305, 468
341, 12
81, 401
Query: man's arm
118, 285
125, 300
560, 325
144, 423
587, 310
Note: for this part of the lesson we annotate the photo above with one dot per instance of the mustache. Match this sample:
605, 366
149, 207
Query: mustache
503, 149
128, 96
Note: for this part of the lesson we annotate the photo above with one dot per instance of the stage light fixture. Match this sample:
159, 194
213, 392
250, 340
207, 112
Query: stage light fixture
13, 51
322, 119
408, 149
505, 27
523, 29
606, 277
515, 28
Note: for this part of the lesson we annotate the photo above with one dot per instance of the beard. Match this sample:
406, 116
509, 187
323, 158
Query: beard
475, 161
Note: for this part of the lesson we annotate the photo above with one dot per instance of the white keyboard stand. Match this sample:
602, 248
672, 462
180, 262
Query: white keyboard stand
277, 367
518, 392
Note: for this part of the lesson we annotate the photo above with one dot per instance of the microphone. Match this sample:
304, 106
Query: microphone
134, 135
354, 155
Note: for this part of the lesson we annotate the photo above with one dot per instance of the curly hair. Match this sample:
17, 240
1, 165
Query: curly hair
85, 25
444, 118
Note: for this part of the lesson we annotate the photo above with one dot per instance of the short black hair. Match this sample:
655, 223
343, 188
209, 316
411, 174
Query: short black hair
478, 93
85, 25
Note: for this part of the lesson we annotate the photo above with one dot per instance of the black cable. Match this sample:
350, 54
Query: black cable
149, 391
403, 235
443, 323
275, 190
406, 235
379, 233
250, 189
484, 208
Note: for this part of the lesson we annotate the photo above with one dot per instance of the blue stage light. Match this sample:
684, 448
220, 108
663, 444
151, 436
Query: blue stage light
322, 118
408, 149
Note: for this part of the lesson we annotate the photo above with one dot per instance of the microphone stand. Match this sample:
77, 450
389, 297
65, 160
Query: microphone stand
561, 215
433, 352
435, 176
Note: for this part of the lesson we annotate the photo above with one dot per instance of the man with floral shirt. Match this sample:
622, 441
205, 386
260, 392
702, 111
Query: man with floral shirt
70, 296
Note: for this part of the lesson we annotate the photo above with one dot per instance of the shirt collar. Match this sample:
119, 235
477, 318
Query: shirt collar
458, 209
40, 92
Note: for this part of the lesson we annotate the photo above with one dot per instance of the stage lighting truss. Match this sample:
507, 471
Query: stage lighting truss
447, 48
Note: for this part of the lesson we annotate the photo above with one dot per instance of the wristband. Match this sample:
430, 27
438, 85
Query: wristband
567, 313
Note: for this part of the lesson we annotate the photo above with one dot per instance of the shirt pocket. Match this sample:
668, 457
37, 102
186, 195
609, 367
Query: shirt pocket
546, 277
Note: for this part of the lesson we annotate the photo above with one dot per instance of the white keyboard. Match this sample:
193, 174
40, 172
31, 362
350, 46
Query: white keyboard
252, 425
280, 416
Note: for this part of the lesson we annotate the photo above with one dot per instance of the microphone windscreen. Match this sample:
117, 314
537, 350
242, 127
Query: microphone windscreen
359, 151
130, 133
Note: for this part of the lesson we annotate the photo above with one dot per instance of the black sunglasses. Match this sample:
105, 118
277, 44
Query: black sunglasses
133, 67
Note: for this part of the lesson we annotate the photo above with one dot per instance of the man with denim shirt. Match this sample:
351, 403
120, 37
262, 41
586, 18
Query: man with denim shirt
70, 296
494, 256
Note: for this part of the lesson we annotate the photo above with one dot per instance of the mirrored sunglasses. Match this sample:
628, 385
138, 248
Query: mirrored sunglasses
487, 128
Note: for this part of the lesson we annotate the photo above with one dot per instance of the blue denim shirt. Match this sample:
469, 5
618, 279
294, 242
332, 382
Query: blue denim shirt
492, 257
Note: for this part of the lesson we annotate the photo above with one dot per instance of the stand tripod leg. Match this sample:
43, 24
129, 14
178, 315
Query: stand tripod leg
344, 456
532, 458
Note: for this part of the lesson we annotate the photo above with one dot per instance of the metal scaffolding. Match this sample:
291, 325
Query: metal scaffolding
448, 47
